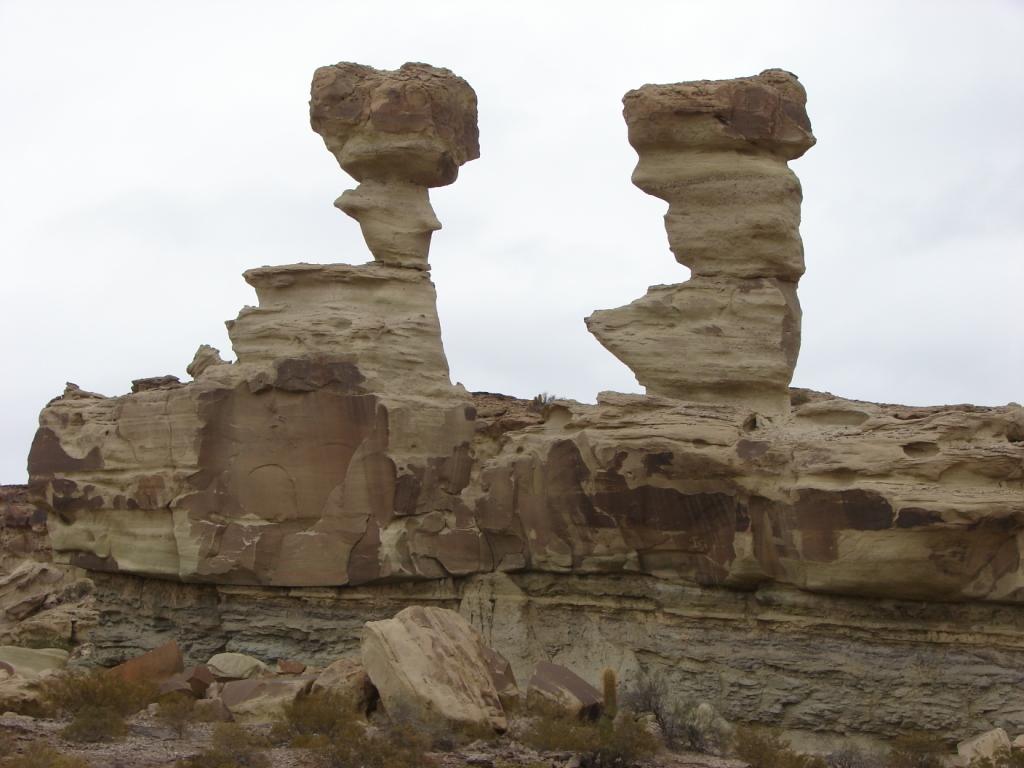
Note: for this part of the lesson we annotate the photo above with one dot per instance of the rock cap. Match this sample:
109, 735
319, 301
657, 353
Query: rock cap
417, 123
767, 110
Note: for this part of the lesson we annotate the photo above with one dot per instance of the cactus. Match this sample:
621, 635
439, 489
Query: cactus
611, 693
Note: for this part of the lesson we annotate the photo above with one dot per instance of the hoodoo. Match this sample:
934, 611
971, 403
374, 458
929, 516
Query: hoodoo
825, 565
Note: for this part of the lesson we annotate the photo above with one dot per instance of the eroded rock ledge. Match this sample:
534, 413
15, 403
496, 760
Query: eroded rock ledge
722, 525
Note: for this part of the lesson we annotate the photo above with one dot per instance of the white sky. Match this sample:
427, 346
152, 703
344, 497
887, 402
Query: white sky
150, 152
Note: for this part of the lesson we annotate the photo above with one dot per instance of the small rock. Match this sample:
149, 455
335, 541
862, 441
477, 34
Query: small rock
290, 667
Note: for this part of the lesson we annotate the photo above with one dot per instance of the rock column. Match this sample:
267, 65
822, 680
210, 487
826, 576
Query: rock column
717, 152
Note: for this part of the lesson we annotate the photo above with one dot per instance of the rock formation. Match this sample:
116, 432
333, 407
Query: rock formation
397, 133
775, 552
716, 151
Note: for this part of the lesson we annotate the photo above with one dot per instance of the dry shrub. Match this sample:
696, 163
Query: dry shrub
41, 756
177, 711
92, 724
650, 694
1003, 758
917, 750
73, 692
311, 720
97, 702
6, 744
232, 747
767, 748
396, 746
606, 743
853, 757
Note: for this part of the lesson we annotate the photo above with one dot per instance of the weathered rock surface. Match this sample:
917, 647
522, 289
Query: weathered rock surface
32, 662
347, 680
562, 689
397, 133
795, 558
430, 666
716, 151
154, 666
262, 700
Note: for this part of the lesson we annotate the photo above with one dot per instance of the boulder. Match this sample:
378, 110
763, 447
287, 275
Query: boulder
235, 666
984, 746
194, 681
154, 666
261, 700
430, 666
290, 667
31, 662
561, 688
1018, 743
347, 679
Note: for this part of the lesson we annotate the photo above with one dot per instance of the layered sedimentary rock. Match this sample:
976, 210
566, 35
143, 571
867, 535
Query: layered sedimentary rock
716, 151
742, 539
398, 133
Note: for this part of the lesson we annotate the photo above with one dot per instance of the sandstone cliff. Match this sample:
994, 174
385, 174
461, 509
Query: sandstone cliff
723, 529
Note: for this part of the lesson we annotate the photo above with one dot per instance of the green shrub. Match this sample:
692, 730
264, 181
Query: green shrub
177, 711
41, 756
232, 747
767, 748
92, 724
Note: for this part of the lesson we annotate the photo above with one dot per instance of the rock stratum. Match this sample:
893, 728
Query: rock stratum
824, 564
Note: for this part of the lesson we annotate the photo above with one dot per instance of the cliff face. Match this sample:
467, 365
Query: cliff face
706, 530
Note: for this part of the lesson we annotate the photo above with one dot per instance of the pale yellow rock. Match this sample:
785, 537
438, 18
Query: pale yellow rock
716, 151
235, 666
346, 679
984, 746
32, 662
429, 666
262, 700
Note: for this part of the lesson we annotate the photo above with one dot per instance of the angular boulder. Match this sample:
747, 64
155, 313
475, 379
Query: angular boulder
194, 681
432, 667
154, 666
346, 679
561, 688
262, 700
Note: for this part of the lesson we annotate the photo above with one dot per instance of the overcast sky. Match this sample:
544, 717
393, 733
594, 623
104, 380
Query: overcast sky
150, 152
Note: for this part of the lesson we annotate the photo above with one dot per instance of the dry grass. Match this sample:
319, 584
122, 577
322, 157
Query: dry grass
177, 711
41, 756
605, 743
312, 720
97, 703
920, 750
767, 748
233, 747
397, 746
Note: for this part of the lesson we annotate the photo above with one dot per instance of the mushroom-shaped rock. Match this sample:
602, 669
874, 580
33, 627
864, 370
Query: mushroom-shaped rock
716, 151
431, 666
397, 132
